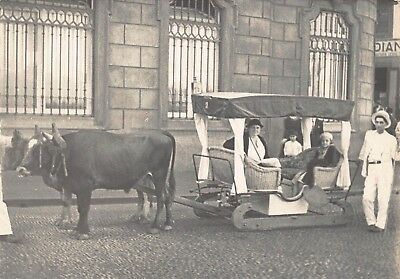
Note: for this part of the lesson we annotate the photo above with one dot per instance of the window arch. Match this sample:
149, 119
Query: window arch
195, 29
329, 56
347, 13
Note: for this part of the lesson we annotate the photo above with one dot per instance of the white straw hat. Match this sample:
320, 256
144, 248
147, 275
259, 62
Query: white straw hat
383, 114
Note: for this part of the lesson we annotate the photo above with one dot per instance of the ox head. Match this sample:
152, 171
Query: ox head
14, 154
40, 152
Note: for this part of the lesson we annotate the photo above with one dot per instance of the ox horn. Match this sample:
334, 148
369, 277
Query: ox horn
57, 136
37, 132
46, 136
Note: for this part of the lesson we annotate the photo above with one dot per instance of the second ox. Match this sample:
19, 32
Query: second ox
83, 161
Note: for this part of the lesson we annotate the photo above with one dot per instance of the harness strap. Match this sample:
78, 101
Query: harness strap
61, 162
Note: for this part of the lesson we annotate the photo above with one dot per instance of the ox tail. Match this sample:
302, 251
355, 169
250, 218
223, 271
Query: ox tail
170, 179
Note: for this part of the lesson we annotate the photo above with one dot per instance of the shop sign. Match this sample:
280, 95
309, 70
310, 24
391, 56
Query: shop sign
387, 48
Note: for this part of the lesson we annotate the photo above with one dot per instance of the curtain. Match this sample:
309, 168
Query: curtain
238, 130
201, 122
343, 179
5, 226
306, 127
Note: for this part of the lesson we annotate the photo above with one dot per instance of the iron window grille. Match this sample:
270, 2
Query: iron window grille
46, 57
329, 56
194, 49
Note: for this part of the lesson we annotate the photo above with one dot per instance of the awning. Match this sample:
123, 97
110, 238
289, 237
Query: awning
243, 105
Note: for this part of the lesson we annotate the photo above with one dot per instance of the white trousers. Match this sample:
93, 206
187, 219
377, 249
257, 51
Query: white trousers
5, 225
379, 179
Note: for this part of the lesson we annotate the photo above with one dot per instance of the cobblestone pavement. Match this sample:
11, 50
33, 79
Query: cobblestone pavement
196, 248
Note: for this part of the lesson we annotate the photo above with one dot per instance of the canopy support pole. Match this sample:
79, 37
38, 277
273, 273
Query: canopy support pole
201, 122
343, 179
306, 127
237, 125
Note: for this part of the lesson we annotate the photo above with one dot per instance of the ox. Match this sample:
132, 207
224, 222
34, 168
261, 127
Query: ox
83, 161
13, 155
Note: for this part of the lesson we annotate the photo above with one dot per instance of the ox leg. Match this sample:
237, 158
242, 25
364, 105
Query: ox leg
83, 200
168, 214
146, 207
155, 228
65, 220
142, 212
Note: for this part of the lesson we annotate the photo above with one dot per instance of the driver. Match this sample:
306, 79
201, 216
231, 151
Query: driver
378, 153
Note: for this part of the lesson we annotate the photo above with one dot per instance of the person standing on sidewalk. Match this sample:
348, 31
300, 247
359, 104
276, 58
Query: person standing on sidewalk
6, 234
378, 154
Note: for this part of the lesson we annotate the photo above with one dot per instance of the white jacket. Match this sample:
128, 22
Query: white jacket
377, 147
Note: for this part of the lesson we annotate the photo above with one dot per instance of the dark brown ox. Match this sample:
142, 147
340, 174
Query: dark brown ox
83, 161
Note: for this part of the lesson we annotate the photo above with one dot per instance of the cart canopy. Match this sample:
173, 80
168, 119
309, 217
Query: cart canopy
243, 105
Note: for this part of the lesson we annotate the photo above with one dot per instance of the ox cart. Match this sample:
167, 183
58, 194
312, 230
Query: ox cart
256, 197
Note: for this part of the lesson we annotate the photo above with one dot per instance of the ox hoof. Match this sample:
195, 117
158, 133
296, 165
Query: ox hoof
134, 219
140, 220
71, 231
64, 225
79, 236
167, 227
82, 236
154, 231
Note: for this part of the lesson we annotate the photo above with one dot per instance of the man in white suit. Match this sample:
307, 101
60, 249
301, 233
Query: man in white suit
378, 154
6, 234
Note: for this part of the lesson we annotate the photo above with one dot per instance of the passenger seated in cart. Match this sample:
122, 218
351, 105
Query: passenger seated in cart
292, 147
326, 156
255, 145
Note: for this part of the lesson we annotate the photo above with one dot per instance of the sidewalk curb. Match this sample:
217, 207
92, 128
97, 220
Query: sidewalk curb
57, 202
115, 200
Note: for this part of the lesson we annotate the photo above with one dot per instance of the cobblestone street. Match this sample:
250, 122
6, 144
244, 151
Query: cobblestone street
196, 248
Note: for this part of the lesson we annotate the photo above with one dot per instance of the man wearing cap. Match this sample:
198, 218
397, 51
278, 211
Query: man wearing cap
377, 154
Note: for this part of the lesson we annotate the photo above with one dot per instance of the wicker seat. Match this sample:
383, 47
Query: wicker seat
257, 177
222, 166
325, 177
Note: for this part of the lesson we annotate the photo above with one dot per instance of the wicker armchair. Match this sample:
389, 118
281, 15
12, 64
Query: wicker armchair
325, 177
257, 177
222, 164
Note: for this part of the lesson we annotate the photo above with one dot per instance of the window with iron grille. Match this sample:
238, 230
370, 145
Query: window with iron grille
194, 46
329, 56
46, 57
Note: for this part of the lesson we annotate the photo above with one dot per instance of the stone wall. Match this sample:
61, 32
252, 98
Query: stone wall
133, 65
268, 47
366, 10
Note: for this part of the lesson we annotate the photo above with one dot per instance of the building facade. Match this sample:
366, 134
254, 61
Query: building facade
387, 61
133, 64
